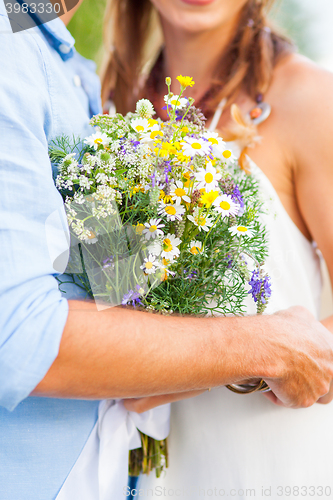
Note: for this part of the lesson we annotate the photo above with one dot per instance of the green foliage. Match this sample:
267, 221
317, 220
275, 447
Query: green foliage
86, 26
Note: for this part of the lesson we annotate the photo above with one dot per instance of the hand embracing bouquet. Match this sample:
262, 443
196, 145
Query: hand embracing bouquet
162, 218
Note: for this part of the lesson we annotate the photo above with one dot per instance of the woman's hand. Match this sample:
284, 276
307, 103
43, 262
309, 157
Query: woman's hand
140, 405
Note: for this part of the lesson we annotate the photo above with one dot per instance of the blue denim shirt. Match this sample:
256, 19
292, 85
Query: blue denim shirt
46, 89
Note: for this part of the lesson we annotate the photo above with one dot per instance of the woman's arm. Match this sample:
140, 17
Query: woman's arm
310, 131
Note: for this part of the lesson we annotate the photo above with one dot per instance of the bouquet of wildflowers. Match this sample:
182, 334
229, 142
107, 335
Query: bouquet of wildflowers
162, 218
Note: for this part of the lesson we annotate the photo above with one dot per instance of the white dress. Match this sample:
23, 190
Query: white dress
223, 444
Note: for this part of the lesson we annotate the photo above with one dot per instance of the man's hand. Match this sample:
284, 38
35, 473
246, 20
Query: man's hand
304, 347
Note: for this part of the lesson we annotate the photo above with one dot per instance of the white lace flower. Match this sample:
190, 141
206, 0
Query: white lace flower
97, 139
170, 248
193, 146
173, 212
226, 206
208, 177
241, 231
153, 229
195, 247
176, 102
179, 192
150, 265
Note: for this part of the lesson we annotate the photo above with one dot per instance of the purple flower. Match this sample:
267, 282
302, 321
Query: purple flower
237, 197
260, 287
108, 262
167, 170
153, 179
132, 297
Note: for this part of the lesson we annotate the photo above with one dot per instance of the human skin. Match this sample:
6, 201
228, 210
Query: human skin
121, 353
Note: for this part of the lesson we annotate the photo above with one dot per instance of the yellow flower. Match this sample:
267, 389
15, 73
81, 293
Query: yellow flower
185, 81
139, 228
182, 158
187, 179
152, 122
209, 198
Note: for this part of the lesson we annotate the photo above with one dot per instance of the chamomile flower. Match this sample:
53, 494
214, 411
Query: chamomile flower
97, 139
208, 178
176, 102
179, 192
153, 229
216, 142
193, 146
227, 156
203, 222
140, 125
170, 248
150, 265
225, 205
173, 212
241, 231
91, 237
195, 247
151, 135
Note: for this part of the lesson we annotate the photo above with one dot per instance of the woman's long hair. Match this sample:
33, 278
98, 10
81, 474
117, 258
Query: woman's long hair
247, 64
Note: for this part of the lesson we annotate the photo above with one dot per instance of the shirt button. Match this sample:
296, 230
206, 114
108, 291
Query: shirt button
77, 81
64, 49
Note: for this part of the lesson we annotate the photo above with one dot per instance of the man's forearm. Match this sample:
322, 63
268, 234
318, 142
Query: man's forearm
123, 353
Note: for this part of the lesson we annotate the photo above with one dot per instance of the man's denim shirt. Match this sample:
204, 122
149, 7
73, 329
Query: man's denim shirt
46, 89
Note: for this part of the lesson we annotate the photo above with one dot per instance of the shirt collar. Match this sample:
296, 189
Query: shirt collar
59, 38
56, 34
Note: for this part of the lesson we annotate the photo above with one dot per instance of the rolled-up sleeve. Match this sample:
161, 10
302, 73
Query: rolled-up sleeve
33, 312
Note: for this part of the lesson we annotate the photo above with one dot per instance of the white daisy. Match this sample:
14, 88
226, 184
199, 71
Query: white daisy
193, 146
225, 205
227, 156
97, 139
153, 229
216, 142
140, 125
173, 212
176, 102
203, 222
195, 247
91, 237
208, 177
150, 265
241, 231
178, 193
170, 248
151, 135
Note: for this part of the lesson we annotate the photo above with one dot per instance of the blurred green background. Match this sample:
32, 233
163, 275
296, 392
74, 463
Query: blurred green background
87, 27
